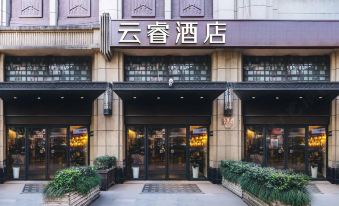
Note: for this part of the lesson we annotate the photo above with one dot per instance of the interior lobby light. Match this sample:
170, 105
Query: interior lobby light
158, 98
15, 97
181, 97
201, 97
62, 97
82, 97
277, 98
253, 97
320, 97
300, 97
38, 98
134, 97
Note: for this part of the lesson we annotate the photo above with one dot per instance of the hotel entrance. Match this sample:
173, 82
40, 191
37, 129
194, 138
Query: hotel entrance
158, 152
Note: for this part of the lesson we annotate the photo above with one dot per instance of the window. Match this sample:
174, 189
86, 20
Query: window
42, 69
160, 69
286, 68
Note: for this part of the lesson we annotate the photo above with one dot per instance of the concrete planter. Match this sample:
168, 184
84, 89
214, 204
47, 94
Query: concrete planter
252, 200
107, 178
233, 187
74, 199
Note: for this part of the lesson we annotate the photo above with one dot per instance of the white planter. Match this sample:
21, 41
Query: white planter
314, 172
16, 172
135, 172
195, 171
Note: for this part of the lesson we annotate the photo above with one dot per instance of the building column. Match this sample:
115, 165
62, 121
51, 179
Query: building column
114, 8
2, 127
224, 9
333, 137
108, 131
5, 11
226, 142
53, 12
255, 9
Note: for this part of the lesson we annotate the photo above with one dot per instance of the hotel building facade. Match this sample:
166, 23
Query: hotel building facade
168, 86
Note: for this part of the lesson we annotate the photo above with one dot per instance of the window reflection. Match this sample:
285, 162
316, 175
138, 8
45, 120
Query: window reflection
16, 151
317, 151
275, 147
136, 152
78, 146
198, 151
254, 145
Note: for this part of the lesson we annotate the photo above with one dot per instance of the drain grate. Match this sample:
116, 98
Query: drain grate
171, 188
33, 188
314, 189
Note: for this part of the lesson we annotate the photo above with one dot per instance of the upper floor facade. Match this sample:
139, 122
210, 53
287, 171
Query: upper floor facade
87, 12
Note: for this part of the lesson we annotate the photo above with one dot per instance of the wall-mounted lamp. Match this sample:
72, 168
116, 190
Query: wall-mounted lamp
228, 102
108, 100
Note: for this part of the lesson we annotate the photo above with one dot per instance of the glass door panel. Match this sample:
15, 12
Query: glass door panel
156, 153
36, 153
296, 149
198, 151
136, 152
78, 146
317, 151
255, 145
275, 148
57, 150
177, 153
16, 152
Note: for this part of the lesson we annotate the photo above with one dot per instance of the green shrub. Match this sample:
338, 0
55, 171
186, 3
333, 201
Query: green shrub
272, 185
80, 180
104, 162
232, 170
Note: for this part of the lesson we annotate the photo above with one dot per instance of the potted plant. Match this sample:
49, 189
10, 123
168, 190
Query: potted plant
137, 160
16, 166
314, 164
73, 186
195, 162
105, 167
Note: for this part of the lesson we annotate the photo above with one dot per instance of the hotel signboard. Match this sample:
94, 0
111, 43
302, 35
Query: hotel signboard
223, 33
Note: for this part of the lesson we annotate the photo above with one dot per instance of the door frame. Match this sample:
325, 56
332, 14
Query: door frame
146, 127
286, 128
47, 146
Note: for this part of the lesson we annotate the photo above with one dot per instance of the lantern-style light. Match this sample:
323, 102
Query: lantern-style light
108, 100
228, 102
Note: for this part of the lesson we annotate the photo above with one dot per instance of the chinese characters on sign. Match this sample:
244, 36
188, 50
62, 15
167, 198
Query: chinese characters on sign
183, 32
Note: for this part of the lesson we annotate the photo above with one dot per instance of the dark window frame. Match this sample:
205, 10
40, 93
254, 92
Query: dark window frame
286, 68
161, 68
48, 68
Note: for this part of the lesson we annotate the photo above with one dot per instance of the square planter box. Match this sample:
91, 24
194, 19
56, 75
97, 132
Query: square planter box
74, 199
107, 178
235, 188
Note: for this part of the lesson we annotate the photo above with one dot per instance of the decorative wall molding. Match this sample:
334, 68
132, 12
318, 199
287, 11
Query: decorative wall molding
105, 34
49, 38
31, 8
79, 8
192, 8
143, 8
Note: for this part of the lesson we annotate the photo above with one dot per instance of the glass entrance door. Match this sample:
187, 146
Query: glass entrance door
57, 138
275, 142
37, 153
157, 148
177, 153
296, 149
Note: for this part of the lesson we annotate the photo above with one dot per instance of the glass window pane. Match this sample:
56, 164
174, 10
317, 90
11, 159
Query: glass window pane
317, 151
296, 149
135, 152
254, 145
275, 148
198, 151
16, 152
57, 150
78, 146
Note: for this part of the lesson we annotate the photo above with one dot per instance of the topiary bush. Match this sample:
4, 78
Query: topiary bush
268, 184
80, 180
104, 162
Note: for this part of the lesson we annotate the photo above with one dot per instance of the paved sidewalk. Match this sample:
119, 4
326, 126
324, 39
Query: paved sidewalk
327, 194
129, 194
